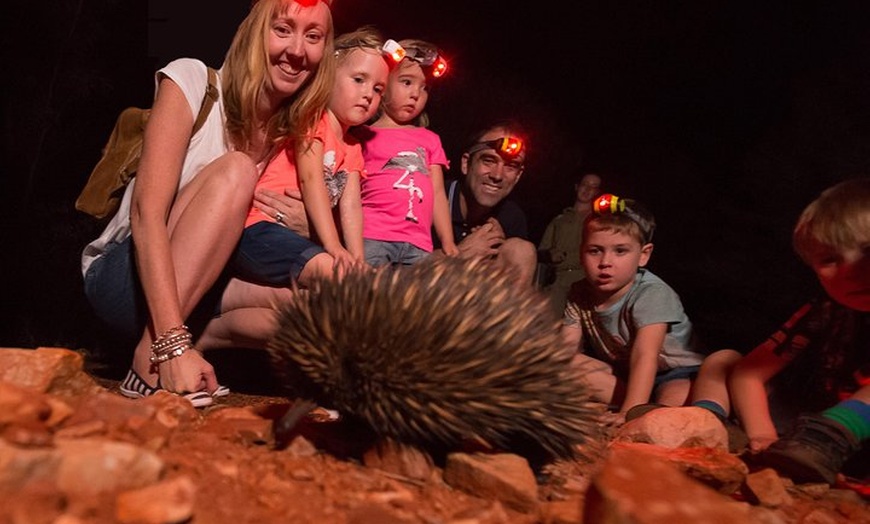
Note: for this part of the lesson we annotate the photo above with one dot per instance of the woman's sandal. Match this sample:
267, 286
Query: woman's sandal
134, 387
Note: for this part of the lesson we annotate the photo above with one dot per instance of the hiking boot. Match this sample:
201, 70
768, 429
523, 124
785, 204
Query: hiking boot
738, 441
814, 452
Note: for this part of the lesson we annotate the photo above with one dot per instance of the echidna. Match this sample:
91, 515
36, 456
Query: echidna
436, 354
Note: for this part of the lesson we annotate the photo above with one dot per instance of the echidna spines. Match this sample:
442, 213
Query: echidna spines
440, 352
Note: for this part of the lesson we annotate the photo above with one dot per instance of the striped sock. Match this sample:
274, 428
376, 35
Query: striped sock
853, 415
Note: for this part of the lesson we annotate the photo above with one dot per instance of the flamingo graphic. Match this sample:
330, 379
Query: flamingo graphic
411, 162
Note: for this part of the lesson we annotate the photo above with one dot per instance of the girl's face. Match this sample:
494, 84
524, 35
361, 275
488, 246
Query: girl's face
296, 43
844, 273
611, 260
360, 79
407, 93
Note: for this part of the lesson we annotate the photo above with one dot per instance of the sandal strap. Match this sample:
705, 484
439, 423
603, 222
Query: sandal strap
134, 383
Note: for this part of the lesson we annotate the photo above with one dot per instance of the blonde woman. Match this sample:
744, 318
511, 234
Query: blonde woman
180, 219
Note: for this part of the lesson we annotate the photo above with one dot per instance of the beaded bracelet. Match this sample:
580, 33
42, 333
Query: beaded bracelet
171, 352
172, 343
180, 327
168, 342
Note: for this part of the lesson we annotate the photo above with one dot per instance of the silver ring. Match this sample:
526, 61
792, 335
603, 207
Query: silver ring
279, 217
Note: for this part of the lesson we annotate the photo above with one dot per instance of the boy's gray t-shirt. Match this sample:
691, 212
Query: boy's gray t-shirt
649, 301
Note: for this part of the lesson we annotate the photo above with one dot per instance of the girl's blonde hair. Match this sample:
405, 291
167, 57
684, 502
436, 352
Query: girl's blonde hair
839, 218
366, 37
245, 77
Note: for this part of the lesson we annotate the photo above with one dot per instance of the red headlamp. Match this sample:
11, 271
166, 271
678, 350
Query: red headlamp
307, 3
507, 147
608, 204
427, 58
439, 68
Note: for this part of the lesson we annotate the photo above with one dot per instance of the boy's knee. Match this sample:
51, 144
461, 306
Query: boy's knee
722, 361
321, 265
521, 256
518, 249
674, 392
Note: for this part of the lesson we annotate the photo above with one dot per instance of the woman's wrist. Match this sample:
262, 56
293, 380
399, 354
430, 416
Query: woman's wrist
172, 343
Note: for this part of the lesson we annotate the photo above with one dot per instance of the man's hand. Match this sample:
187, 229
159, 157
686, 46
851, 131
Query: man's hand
289, 205
483, 241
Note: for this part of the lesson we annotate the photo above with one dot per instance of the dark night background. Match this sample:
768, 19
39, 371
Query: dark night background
725, 117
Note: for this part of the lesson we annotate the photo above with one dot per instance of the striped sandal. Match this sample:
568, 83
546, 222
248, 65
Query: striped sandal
134, 387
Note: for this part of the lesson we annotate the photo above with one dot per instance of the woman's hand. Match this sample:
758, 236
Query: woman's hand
287, 209
187, 373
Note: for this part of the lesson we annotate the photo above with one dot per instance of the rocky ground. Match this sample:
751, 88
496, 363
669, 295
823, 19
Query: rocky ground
72, 450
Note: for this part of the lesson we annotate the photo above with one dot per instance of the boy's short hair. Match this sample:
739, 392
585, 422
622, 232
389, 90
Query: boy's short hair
632, 219
839, 218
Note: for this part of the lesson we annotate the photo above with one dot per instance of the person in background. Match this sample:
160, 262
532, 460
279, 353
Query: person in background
486, 223
560, 244
403, 195
158, 265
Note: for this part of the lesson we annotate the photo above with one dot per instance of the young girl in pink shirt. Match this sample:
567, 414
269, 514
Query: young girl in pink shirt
403, 195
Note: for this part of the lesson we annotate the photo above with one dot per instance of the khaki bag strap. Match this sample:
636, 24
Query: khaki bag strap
211, 95
598, 337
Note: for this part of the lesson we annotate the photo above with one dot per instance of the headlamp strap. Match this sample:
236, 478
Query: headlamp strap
610, 204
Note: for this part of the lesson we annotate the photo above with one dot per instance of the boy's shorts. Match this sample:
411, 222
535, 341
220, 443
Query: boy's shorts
272, 255
686, 372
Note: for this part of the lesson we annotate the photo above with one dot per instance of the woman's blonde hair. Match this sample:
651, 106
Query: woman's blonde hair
245, 77
839, 218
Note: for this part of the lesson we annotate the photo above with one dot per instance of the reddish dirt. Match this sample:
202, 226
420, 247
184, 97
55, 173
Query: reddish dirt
240, 478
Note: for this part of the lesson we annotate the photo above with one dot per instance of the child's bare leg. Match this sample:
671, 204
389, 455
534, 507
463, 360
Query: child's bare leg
674, 392
248, 316
711, 384
599, 378
321, 265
